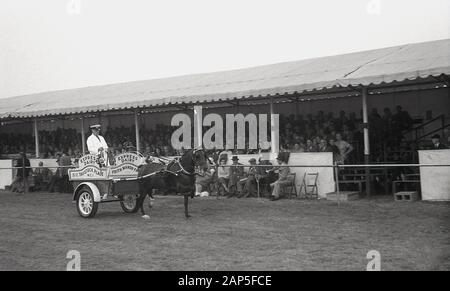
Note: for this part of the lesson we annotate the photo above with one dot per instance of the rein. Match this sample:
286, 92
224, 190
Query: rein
182, 169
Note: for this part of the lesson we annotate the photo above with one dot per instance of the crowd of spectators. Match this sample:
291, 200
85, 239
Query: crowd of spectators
51, 143
341, 134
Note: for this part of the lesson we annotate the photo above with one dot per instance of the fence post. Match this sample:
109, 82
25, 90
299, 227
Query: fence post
338, 193
24, 178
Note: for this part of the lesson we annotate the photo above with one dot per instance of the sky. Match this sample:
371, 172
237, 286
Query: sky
51, 45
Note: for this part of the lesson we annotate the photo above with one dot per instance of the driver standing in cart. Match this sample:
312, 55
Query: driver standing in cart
97, 145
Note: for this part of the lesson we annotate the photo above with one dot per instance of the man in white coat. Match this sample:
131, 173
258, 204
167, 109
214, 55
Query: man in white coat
97, 145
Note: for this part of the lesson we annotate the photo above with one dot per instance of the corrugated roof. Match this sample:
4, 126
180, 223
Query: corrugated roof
405, 62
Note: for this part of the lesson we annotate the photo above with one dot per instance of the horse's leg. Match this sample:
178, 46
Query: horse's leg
150, 200
140, 202
145, 216
141, 199
186, 203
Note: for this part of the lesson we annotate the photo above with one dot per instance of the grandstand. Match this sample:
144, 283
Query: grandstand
357, 95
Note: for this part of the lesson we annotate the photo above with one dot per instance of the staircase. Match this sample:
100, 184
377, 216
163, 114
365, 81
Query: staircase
422, 133
418, 137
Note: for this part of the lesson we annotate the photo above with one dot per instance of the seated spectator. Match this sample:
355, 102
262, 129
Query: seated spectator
298, 148
202, 182
226, 155
437, 145
42, 177
247, 185
324, 146
310, 146
236, 173
283, 179
265, 175
223, 175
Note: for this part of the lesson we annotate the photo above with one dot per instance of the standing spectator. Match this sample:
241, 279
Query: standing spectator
20, 184
377, 126
387, 121
56, 178
402, 119
335, 150
342, 120
65, 162
236, 173
344, 148
352, 121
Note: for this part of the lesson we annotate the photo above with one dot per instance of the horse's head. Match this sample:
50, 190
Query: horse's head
194, 161
200, 160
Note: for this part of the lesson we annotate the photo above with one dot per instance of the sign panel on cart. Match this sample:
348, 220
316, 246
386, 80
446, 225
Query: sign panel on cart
126, 166
88, 169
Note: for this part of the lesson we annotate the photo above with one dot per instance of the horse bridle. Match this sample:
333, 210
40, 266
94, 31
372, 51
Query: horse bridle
183, 169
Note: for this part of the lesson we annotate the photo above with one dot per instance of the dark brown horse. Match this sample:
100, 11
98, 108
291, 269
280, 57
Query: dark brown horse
177, 177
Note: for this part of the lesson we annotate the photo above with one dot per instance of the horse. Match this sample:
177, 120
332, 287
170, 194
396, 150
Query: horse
178, 176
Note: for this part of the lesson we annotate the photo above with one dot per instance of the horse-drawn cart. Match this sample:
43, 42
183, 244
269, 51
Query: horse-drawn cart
94, 184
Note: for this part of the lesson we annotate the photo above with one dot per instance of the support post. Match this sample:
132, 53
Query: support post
366, 138
83, 137
198, 127
24, 176
136, 122
274, 142
336, 174
36, 137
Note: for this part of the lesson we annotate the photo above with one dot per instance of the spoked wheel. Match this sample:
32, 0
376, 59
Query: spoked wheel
129, 203
86, 205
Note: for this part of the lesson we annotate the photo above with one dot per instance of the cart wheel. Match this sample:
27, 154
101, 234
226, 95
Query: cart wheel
129, 203
86, 205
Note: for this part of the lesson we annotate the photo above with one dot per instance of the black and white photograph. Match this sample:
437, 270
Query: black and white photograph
238, 138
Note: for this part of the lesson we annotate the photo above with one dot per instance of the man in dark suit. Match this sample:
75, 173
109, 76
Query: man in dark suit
65, 162
247, 185
265, 175
236, 173
42, 177
324, 146
437, 145
283, 177
20, 184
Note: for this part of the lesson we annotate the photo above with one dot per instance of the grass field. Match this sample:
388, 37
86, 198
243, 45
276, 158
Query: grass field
38, 229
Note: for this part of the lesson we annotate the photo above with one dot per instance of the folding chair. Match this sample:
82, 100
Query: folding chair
314, 193
291, 188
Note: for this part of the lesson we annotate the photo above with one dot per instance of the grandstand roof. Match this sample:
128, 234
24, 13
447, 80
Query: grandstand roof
374, 67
